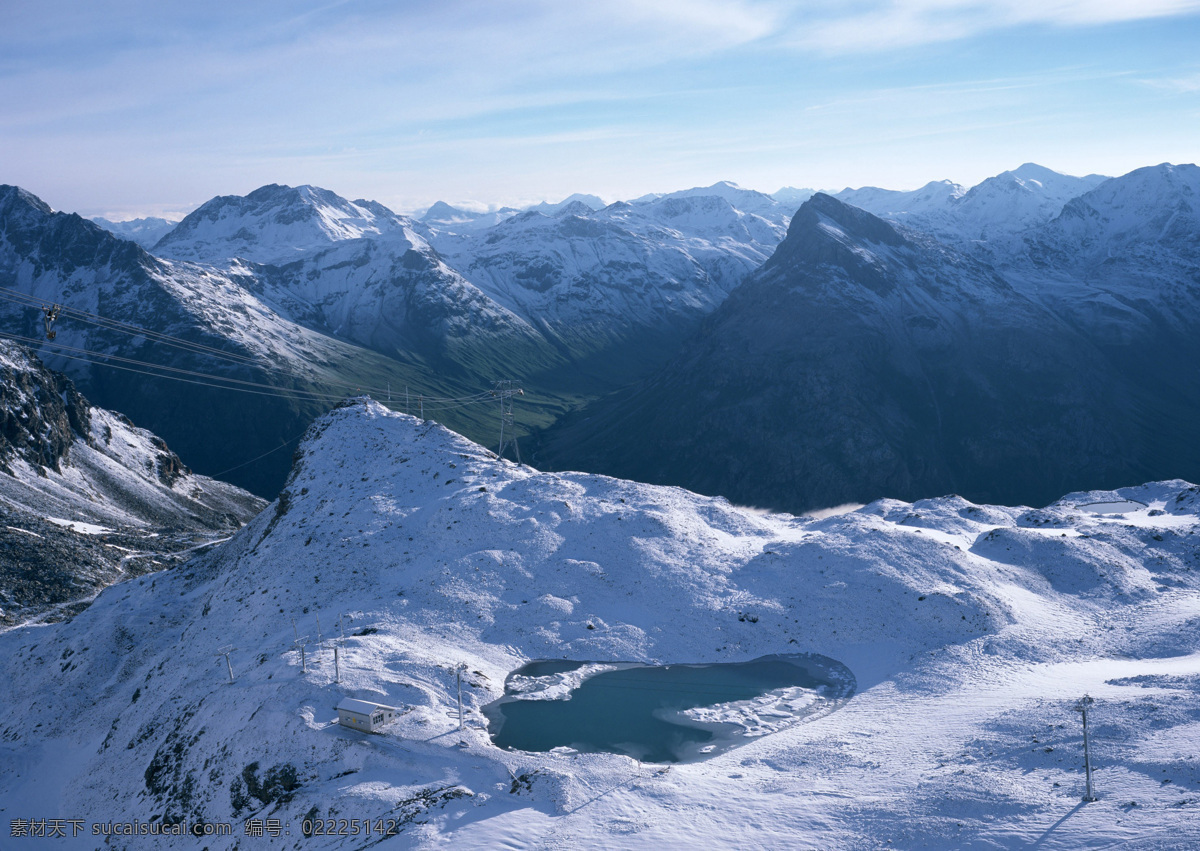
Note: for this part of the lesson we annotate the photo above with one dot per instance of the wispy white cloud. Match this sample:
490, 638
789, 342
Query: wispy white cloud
134, 101
1182, 84
875, 25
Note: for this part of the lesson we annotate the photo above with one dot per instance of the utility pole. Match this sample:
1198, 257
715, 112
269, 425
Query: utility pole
295, 633
1082, 707
303, 661
225, 651
505, 391
337, 668
406, 399
421, 402
459, 671
318, 634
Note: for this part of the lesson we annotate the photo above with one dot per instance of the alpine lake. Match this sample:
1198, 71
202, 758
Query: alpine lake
662, 713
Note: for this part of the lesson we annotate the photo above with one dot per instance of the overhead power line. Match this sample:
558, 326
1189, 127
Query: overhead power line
31, 301
504, 390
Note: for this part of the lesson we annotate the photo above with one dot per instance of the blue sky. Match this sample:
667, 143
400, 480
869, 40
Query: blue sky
135, 108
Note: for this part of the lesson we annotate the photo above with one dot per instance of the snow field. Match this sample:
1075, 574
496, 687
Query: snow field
972, 631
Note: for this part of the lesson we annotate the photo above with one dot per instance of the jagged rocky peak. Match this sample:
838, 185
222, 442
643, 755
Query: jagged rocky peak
41, 412
43, 415
828, 231
31, 231
14, 199
87, 498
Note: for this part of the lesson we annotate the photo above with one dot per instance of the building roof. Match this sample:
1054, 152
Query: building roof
362, 707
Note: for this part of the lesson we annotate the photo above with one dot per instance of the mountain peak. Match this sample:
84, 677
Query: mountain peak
575, 208
10, 195
273, 224
854, 222
826, 231
1033, 171
442, 210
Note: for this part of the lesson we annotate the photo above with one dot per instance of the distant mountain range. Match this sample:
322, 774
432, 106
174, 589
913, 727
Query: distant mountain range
1001, 340
867, 358
298, 288
145, 232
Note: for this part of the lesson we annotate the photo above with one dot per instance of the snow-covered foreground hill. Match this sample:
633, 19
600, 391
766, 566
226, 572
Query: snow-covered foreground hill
971, 632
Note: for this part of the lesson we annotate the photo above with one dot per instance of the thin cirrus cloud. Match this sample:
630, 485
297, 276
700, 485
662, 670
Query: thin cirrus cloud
887, 24
498, 99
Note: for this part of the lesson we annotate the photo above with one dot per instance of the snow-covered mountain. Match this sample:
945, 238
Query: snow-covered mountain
560, 287
864, 360
971, 630
86, 497
934, 198
994, 212
617, 279
145, 232
1142, 217
275, 225
210, 329
1014, 201
748, 201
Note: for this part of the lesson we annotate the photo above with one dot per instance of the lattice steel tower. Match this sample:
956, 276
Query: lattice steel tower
504, 391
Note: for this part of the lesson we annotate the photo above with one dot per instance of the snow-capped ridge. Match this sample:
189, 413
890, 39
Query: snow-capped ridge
274, 224
1146, 210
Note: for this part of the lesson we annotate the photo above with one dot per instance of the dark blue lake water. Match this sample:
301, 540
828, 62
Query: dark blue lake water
664, 713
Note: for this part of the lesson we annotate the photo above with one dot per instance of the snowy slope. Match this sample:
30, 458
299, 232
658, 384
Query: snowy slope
87, 497
971, 630
622, 284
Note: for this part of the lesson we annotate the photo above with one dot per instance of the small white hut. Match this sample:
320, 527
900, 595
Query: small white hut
365, 715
